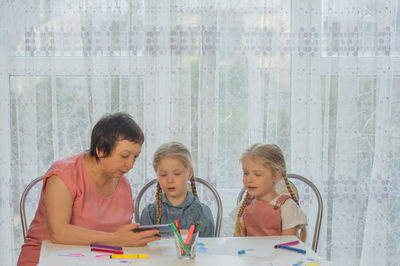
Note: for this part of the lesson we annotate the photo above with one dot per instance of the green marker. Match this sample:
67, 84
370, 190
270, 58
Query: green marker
198, 224
180, 238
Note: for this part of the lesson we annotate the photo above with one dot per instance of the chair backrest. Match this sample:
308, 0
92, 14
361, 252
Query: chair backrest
22, 204
319, 200
198, 180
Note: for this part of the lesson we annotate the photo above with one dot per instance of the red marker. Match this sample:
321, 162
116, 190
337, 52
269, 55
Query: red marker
177, 225
106, 250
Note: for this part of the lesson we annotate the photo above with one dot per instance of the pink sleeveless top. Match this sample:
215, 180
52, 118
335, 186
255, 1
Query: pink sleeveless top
264, 219
89, 210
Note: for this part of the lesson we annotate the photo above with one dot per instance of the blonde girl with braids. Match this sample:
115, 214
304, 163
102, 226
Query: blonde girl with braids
173, 165
265, 212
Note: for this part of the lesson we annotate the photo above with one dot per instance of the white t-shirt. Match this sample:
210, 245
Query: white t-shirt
291, 214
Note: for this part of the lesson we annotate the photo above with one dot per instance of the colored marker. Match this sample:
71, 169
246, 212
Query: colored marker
129, 256
293, 249
197, 226
105, 246
241, 252
178, 235
190, 234
288, 244
106, 250
177, 225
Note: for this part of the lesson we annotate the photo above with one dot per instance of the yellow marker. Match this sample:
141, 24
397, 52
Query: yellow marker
314, 263
128, 256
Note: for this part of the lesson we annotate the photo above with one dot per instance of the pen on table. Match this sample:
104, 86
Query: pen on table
288, 244
107, 250
293, 249
129, 256
178, 235
105, 246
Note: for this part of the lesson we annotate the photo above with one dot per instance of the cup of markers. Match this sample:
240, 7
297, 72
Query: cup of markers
186, 249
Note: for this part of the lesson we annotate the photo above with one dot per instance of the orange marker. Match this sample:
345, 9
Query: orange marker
190, 234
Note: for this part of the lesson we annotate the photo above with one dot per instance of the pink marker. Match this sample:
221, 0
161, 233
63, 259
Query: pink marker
288, 244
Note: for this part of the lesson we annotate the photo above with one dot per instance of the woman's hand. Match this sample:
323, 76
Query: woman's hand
125, 236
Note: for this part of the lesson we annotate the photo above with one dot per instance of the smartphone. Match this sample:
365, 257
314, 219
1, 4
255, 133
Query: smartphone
165, 230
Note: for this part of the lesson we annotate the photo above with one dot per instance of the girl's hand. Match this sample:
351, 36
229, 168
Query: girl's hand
290, 231
125, 236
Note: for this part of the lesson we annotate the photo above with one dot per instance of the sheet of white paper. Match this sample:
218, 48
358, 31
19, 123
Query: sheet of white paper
252, 247
82, 256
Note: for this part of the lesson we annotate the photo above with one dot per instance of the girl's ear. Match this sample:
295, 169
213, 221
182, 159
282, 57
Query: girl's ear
277, 176
191, 173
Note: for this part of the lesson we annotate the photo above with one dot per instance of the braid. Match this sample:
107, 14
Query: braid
240, 228
158, 203
289, 187
244, 204
193, 185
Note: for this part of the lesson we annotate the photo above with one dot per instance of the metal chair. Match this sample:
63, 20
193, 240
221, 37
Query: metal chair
198, 180
319, 199
22, 204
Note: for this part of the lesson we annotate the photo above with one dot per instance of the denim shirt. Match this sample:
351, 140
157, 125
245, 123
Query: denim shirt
188, 212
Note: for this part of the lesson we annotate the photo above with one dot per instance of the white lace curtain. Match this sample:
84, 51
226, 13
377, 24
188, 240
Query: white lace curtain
319, 78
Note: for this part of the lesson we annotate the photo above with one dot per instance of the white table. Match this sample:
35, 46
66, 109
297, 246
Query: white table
211, 251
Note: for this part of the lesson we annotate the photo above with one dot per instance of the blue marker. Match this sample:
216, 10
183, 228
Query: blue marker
241, 252
293, 249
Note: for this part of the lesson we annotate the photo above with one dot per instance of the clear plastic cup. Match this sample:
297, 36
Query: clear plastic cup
192, 247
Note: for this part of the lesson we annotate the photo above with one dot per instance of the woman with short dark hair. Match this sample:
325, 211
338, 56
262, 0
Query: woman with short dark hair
86, 198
